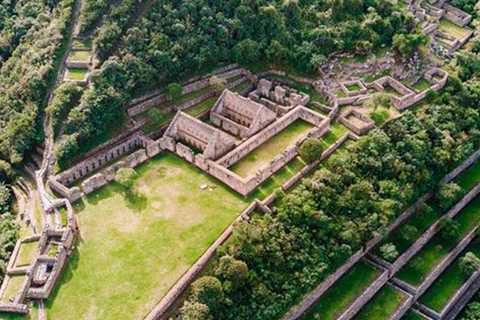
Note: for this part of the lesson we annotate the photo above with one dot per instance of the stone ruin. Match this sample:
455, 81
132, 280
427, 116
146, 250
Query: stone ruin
210, 141
360, 127
55, 245
277, 97
240, 116
429, 16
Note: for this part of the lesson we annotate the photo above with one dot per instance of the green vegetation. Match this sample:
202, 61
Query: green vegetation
82, 44
412, 316
382, 305
452, 29
77, 73
448, 282
79, 56
353, 88
13, 287
125, 262
268, 150
415, 271
26, 254
343, 292
422, 85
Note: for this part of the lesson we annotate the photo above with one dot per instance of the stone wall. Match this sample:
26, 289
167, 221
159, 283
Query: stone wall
358, 130
142, 104
297, 113
457, 16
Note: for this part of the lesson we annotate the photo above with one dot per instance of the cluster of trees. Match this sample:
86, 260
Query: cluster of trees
316, 227
177, 38
34, 47
92, 12
8, 226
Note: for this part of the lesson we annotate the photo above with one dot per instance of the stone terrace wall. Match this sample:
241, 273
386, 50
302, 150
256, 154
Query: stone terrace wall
457, 16
368, 123
312, 297
140, 105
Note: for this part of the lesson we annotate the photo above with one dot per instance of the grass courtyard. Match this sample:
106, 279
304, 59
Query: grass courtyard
452, 29
134, 247
79, 55
343, 293
272, 147
26, 254
424, 261
77, 73
382, 305
449, 281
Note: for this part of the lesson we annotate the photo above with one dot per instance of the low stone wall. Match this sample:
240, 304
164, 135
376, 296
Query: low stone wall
368, 123
462, 301
368, 294
457, 16
298, 113
140, 105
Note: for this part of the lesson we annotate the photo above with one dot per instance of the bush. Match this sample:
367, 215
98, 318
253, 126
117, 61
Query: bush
125, 177
67, 148
449, 229
380, 116
311, 150
195, 311
448, 194
469, 263
389, 252
207, 290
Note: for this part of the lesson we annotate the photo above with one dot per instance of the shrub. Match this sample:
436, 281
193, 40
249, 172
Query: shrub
469, 263
380, 116
207, 290
449, 229
311, 150
448, 194
125, 177
389, 252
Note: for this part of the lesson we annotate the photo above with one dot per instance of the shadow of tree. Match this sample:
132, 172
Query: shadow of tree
136, 200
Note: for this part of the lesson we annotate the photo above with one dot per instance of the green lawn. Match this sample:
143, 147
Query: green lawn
448, 282
470, 177
424, 261
77, 73
382, 305
374, 77
343, 292
82, 44
79, 55
13, 287
353, 87
452, 29
272, 147
340, 94
134, 246
422, 85
26, 254
336, 131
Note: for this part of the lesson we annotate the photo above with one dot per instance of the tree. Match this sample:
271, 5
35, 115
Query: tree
67, 148
125, 177
389, 252
208, 290
449, 229
469, 263
218, 83
5, 198
173, 91
6, 171
409, 232
246, 51
406, 44
448, 194
195, 311
155, 114
311, 150
472, 312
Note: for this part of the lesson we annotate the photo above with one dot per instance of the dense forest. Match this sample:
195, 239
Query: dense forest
178, 38
274, 259
30, 44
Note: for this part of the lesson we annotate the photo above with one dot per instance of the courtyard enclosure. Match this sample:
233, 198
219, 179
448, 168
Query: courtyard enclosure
124, 262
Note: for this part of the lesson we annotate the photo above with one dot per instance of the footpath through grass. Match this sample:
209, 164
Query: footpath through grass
449, 281
343, 293
134, 246
382, 305
424, 261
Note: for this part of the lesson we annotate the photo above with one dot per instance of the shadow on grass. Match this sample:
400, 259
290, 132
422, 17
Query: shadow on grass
135, 200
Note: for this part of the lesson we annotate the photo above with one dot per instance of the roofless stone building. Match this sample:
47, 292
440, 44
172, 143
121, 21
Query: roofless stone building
240, 116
